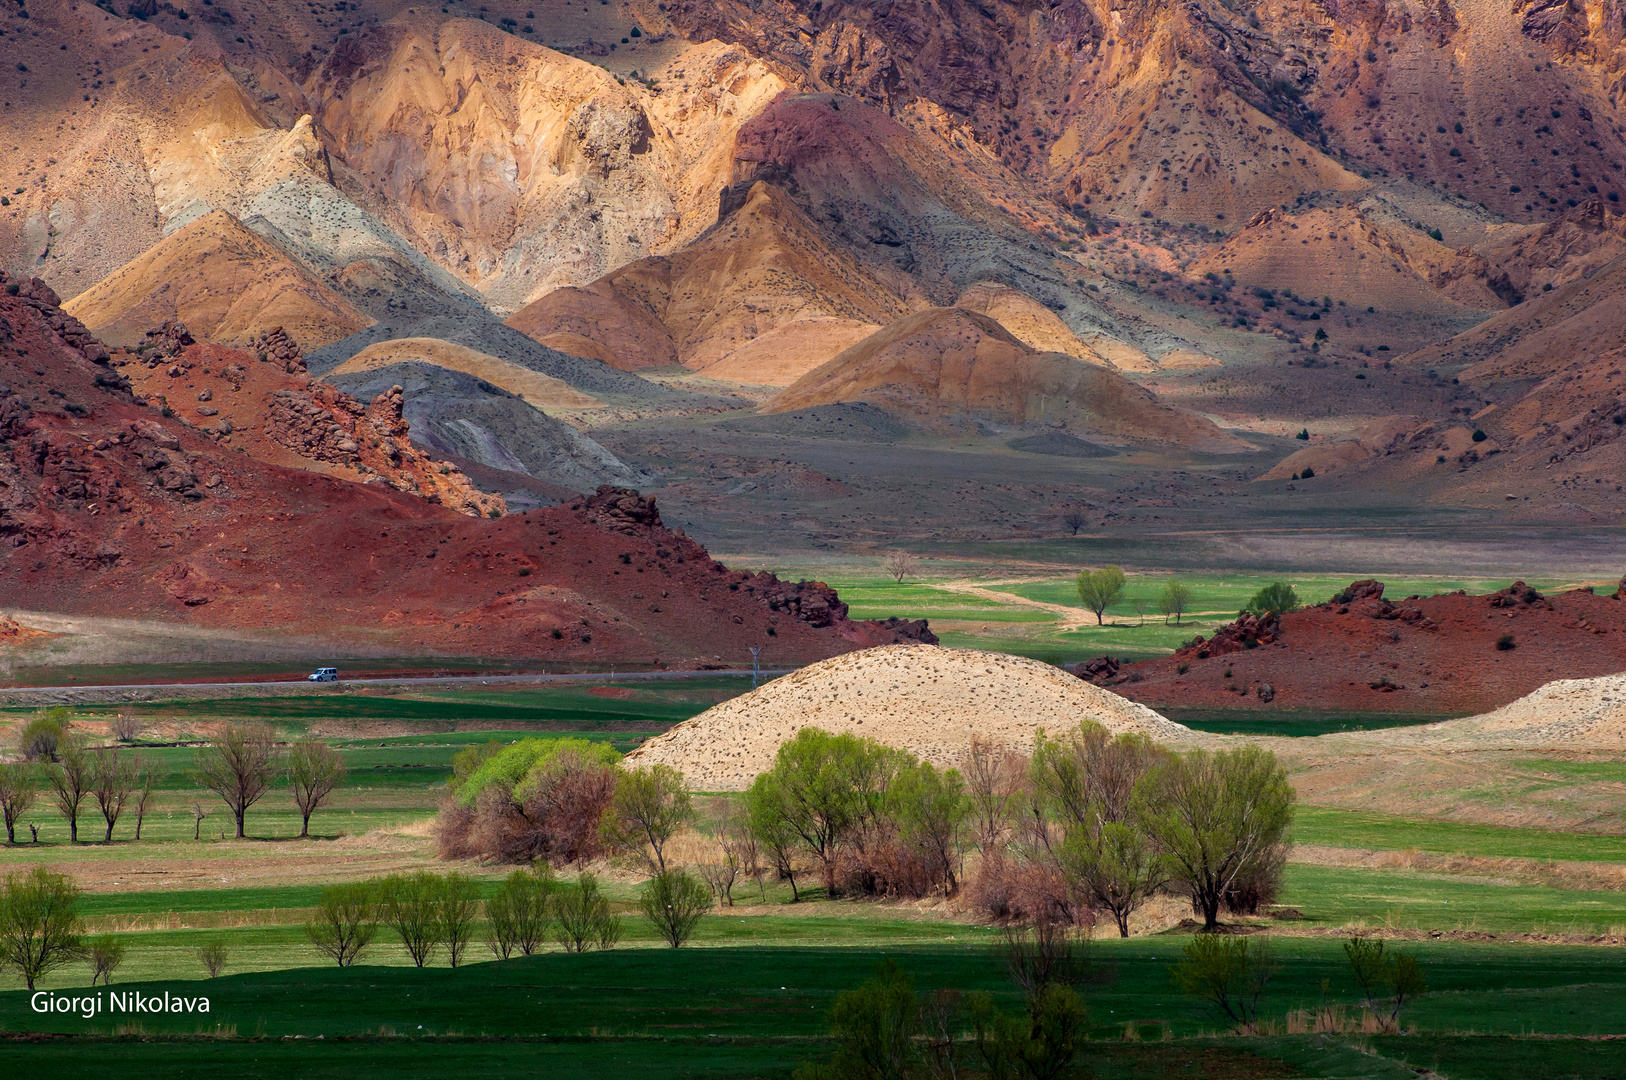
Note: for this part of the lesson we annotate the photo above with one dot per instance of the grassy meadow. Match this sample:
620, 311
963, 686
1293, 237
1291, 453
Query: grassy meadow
1523, 952
1038, 613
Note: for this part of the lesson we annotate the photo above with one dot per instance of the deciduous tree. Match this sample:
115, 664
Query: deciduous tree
346, 921
1174, 600
650, 805
1214, 814
1100, 589
39, 922
314, 770
72, 778
115, 774
237, 766
19, 787
674, 903
900, 564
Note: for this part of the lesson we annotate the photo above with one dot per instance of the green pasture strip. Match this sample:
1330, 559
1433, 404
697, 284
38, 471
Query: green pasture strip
1360, 829
168, 833
122, 674
703, 1057
1570, 771
1336, 896
753, 991
1292, 722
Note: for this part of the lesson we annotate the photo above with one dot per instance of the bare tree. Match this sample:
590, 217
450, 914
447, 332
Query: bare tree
900, 564
237, 767
104, 954
114, 776
126, 726
72, 778
1074, 518
994, 775
144, 800
314, 770
19, 786
198, 814
740, 847
213, 956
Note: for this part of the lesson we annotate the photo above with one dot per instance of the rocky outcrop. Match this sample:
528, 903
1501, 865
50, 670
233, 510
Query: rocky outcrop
46, 305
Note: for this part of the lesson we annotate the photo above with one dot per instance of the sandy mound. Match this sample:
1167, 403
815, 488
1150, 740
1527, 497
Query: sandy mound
945, 365
224, 282
1569, 714
923, 698
538, 390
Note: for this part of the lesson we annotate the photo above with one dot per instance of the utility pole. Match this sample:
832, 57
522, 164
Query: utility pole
756, 653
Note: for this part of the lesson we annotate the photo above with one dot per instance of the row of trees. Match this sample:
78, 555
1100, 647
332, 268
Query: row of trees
1100, 589
1091, 823
239, 766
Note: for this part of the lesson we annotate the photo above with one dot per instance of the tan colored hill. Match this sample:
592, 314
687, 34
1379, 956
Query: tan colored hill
536, 389
1566, 715
1345, 255
763, 266
922, 698
224, 282
787, 352
946, 365
1029, 321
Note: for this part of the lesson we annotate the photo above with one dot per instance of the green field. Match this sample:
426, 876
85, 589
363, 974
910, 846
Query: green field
749, 997
1004, 623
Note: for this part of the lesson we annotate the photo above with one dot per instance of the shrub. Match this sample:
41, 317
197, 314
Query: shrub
126, 727
1230, 972
537, 799
346, 921
42, 734
521, 911
582, 915
674, 902
1379, 974
104, 954
1480, 436
1307, 474
214, 957
1504, 643
1274, 599
874, 1027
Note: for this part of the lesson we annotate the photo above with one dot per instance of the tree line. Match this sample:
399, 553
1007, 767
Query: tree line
79, 778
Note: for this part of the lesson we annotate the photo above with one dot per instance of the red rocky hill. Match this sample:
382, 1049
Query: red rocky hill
109, 508
1426, 655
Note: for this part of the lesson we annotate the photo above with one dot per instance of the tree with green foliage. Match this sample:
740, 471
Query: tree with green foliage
824, 788
237, 766
43, 732
765, 818
1174, 600
457, 906
1231, 972
520, 912
534, 799
874, 1027
40, 925
72, 779
314, 770
931, 809
214, 956
1277, 598
19, 787
346, 921
1100, 589
1215, 815
674, 903
1046, 961
650, 805
115, 774
582, 916
409, 904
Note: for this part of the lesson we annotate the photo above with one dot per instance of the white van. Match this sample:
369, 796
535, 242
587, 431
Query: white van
323, 674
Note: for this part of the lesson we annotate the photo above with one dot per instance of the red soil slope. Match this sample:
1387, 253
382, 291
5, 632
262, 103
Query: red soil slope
108, 508
1425, 655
